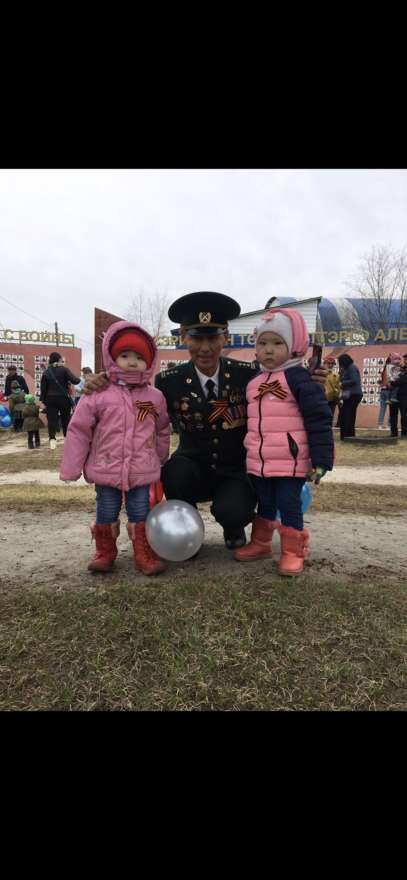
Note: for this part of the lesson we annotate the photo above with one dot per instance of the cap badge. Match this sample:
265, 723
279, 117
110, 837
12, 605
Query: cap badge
204, 317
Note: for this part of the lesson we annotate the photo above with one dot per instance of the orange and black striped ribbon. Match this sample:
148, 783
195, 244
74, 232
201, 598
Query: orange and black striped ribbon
220, 411
272, 388
145, 408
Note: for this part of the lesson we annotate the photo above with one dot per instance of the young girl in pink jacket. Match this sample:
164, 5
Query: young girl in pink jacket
289, 437
119, 438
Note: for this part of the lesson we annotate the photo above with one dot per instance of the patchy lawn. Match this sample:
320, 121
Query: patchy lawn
335, 497
293, 645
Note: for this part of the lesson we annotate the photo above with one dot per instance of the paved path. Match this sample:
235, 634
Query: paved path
371, 476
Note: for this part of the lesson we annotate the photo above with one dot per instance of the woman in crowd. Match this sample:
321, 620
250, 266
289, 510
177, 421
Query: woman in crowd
351, 394
398, 395
384, 395
392, 374
55, 395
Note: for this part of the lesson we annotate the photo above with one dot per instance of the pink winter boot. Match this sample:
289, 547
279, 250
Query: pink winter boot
294, 547
260, 541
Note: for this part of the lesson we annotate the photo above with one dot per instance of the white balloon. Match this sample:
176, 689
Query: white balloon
175, 530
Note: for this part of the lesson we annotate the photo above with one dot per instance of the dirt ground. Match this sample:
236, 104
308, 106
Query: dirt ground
52, 551
376, 475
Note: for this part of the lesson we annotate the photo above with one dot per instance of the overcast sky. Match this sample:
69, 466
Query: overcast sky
75, 239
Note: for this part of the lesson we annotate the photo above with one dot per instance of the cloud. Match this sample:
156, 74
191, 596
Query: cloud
75, 239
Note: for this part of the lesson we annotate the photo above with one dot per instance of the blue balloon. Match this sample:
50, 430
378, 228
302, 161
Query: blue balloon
3, 411
5, 421
306, 498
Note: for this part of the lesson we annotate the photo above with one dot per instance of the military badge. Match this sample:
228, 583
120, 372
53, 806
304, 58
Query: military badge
204, 317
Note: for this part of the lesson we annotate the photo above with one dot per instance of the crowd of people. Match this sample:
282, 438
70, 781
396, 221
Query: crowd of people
344, 391
60, 393
250, 433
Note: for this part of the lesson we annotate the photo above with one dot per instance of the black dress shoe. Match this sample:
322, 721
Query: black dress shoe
235, 539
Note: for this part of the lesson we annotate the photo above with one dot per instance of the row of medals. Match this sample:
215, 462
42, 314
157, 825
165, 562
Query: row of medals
189, 421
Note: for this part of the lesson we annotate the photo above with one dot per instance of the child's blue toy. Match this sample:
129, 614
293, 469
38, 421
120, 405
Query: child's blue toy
306, 498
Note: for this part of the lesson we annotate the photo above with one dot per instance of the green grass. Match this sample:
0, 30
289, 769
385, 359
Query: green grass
246, 641
43, 459
248, 644
365, 456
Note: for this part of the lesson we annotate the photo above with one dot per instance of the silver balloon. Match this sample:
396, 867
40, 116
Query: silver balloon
175, 530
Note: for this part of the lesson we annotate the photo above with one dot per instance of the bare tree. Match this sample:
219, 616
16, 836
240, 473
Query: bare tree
149, 311
381, 281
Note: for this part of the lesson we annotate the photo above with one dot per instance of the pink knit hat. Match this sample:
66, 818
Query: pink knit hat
293, 331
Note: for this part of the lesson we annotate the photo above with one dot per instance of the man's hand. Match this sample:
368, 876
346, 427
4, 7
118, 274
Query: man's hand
95, 382
320, 375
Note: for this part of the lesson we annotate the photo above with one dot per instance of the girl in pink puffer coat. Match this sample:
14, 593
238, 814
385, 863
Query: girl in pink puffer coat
289, 437
119, 438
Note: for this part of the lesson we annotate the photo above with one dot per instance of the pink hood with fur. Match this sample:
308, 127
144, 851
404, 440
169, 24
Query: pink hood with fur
119, 436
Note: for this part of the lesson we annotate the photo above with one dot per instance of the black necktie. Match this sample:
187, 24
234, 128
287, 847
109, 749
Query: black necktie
210, 385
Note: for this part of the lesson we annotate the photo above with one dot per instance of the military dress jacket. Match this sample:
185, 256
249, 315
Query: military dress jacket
211, 432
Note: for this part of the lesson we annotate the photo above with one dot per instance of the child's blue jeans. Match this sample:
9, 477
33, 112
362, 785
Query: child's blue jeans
109, 502
283, 494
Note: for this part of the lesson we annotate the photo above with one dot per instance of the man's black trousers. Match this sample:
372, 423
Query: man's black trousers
233, 498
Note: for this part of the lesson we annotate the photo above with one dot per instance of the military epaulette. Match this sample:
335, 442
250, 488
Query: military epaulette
246, 364
165, 373
231, 362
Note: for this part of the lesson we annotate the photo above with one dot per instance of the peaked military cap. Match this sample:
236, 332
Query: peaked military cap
204, 312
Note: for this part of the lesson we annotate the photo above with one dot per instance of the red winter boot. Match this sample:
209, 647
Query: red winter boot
106, 550
260, 541
294, 547
145, 559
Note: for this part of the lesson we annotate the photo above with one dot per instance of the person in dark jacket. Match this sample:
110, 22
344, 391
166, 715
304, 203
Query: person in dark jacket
55, 395
393, 373
351, 394
401, 385
32, 422
16, 403
12, 376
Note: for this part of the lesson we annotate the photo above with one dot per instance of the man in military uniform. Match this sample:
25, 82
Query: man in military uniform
207, 406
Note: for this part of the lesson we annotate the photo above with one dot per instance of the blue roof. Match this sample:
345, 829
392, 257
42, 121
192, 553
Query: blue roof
357, 315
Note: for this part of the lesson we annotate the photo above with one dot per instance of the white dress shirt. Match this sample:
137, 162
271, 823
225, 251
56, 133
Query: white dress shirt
203, 379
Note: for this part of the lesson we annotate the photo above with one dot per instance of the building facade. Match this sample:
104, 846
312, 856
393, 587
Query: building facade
28, 352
